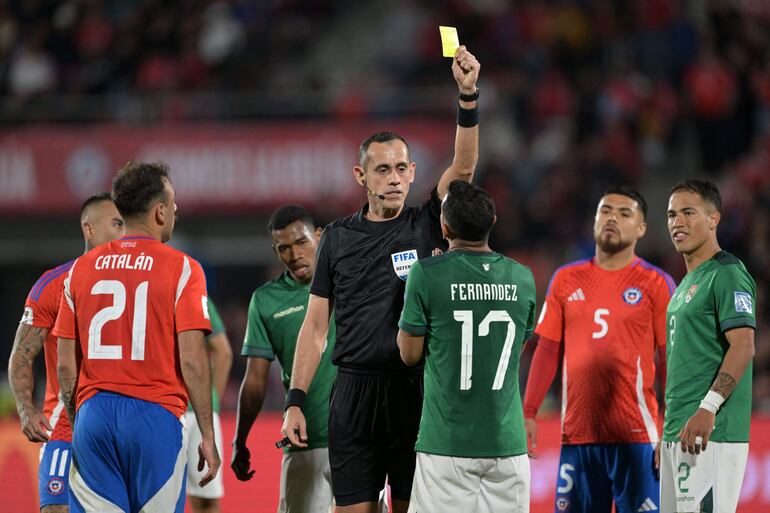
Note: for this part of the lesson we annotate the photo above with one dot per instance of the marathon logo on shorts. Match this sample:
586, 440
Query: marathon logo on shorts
55, 486
403, 261
28, 317
562, 503
743, 303
632, 295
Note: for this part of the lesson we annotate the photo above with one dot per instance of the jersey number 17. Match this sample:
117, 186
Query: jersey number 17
466, 358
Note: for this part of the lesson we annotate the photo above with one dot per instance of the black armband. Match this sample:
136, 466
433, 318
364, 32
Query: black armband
469, 97
467, 118
295, 397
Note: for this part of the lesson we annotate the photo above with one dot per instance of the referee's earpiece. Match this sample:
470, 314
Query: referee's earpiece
368, 190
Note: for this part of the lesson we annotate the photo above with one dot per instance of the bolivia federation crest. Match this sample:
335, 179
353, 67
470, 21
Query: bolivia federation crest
632, 295
403, 261
690, 293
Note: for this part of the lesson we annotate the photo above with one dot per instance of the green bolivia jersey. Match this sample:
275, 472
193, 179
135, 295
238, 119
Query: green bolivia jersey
276, 313
475, 310
715, 297
217, 327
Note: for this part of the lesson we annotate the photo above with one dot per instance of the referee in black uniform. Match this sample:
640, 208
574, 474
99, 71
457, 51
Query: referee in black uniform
361, 270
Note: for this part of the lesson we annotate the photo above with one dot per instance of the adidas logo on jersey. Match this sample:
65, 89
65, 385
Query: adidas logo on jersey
577, 296
648, 505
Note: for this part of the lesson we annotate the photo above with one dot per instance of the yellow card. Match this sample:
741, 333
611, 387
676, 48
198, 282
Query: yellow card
449, 40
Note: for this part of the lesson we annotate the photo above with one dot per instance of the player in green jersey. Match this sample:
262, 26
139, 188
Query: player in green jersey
470, 311
710, 347
206, 499
276, 313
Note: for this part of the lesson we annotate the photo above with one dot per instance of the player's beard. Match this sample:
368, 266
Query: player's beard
612, 245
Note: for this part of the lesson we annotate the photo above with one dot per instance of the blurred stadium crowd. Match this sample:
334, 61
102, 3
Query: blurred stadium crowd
576, 95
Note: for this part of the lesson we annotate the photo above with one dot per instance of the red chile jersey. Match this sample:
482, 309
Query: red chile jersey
124, 303
610, 324
40, 311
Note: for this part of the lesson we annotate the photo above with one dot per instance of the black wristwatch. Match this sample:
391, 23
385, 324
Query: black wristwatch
469, 97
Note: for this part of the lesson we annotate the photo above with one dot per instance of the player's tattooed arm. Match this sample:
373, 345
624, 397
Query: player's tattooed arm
26, 346
67, 372
68, 396
736, 360
724, 384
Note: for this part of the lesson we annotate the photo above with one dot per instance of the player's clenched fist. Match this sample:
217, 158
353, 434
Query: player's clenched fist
465, 69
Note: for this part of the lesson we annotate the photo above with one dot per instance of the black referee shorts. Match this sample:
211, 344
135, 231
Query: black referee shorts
373, 423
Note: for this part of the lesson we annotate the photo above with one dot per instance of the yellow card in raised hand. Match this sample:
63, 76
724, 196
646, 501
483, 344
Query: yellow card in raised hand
449, 40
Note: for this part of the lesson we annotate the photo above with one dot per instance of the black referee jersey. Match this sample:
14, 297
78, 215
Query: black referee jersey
362, 266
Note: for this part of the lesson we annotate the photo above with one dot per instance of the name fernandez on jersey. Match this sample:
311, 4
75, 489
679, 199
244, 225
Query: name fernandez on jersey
483, 292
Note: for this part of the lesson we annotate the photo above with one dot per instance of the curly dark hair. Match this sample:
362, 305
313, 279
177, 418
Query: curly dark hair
285, 215
468, 211
137, 186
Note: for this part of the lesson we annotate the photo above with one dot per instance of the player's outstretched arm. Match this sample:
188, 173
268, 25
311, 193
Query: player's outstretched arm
250, 399
311, 342
67, 372
465, 69
698, 428
410, 346
197, 376
26, 346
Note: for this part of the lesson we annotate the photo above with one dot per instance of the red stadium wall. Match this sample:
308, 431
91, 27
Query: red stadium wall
230, 168
18, 469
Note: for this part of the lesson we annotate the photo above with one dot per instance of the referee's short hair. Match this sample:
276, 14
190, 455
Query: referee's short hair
469, 211
703, 188
379, 137
283, 216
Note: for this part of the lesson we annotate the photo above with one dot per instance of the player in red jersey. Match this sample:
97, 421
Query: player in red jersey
101, 223
607, 316
131, 332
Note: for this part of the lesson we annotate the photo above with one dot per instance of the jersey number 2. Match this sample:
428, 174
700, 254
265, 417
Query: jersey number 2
97, 351
466, 358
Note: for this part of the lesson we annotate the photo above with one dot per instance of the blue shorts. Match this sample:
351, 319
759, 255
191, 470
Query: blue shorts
128, 455
592, 476
54, 472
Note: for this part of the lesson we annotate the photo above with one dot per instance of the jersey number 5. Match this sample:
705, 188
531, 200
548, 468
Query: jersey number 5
466, 358
97, 351
601, 322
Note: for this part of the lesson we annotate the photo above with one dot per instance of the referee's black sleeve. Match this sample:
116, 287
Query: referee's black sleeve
433, 205
322, 284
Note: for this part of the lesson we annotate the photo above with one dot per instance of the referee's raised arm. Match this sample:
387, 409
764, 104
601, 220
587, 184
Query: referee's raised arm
465, 69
